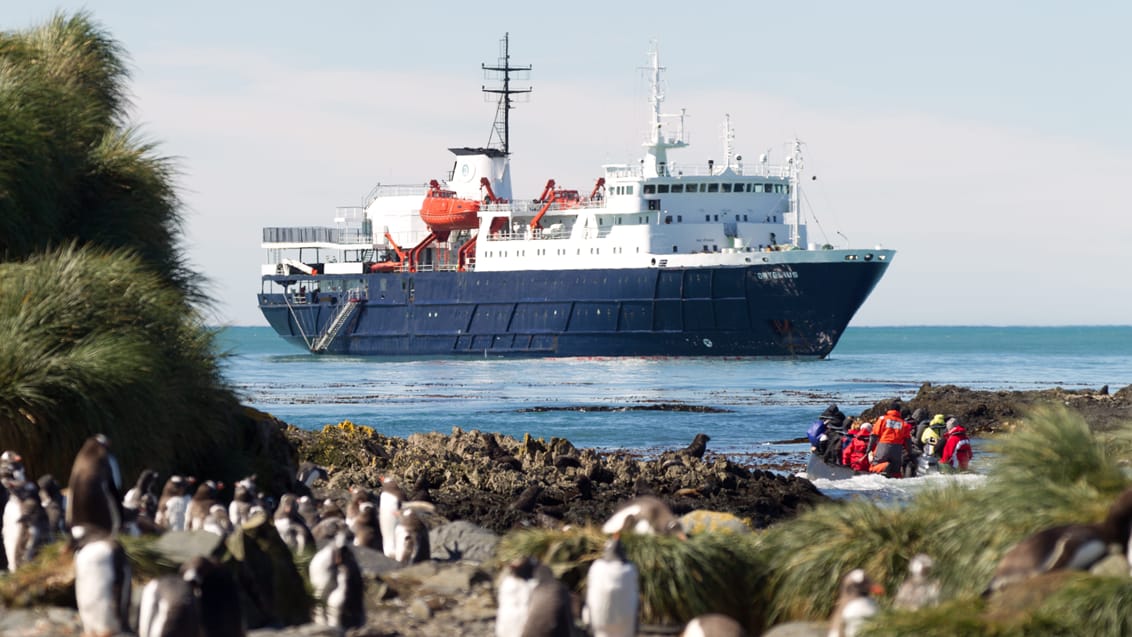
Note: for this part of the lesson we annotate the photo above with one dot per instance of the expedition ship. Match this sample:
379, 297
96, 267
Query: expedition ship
657, 259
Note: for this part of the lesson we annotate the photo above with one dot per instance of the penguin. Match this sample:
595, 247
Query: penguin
25, 525
513, 596
612, 593
95, 500
217, 521
291, 527
919, 590
1071, 546
102, 582
412, 545
358, 496
140, 497
325, 531
12, 467
11, 474
644, 514
51, 498
330, 509
206, 496
367, 530
307, 475
168, 608
337, 584
389, 502
713, 625
308, 511
243, 501
173, 503
550, 611
218, 595
855, 605
10, 514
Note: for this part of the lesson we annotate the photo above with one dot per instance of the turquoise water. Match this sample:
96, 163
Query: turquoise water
597, 402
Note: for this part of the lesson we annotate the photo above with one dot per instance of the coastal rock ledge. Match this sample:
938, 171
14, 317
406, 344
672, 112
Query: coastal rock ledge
501, 483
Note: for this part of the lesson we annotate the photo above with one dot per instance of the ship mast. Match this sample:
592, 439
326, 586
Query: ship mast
502, 71
657, 142
796, 164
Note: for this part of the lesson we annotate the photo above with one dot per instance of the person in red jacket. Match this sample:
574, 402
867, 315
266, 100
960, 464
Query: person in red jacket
957, 450
890, 433
856, 453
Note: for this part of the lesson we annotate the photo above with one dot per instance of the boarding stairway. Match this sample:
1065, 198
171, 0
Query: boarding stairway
345, 313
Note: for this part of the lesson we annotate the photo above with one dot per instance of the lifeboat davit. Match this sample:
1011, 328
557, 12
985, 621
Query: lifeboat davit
442, 210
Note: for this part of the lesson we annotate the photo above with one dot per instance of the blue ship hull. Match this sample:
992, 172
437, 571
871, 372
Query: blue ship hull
796, 310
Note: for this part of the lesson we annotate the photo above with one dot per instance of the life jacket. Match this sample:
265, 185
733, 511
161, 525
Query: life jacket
958, 451
855, 454
891, 429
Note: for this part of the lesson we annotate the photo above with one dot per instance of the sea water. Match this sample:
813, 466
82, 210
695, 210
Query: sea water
646, 404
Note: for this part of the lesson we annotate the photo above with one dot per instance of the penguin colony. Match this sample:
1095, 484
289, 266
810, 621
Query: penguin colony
203, 598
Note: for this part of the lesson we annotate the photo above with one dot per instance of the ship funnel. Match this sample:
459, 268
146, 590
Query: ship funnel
472, 164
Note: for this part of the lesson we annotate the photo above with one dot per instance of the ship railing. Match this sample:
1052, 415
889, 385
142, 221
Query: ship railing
393, 190
676, 169
308, 235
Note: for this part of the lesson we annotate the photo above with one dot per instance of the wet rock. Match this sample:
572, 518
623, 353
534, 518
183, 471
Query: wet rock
463, 540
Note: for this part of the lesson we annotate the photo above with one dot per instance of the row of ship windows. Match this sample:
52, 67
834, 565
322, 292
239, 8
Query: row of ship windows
660, 189
541, 252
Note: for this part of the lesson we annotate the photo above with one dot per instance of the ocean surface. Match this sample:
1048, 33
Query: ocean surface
659, 403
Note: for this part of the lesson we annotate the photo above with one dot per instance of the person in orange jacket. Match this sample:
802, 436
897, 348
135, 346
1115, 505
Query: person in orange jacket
890, 435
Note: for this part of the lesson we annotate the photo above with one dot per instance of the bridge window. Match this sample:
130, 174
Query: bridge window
628, 190
726, 187
677, 187
713, 187
650, 189
758, 187
738, 187
662, 189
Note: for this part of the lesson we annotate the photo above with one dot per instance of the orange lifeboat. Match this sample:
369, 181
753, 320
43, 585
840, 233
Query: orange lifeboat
443, 211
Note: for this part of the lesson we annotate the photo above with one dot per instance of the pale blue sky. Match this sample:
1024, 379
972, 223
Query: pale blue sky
990, 143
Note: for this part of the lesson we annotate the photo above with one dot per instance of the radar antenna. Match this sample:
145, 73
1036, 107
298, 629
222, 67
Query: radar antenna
502, 72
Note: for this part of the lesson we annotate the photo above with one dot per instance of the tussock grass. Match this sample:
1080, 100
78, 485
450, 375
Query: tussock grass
1055, 471
710, 572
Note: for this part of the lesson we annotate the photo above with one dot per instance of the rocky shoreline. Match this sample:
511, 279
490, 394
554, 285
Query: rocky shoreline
485, 485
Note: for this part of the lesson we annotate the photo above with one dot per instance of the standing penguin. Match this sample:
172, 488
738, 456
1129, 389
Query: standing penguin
95, 497
389, 503
532, 602
550, 613
140, 497
291, 526
513, 597
51, 497
102, 582
10, 514
855, 605
920, 590
168, 608
206, 497
612, 593
308, 511
412, 545
367, 531
244, 499
173, 503
31, 530
336, 580
218, 595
